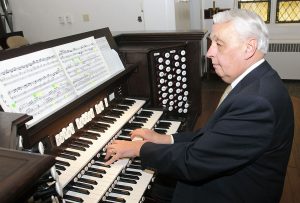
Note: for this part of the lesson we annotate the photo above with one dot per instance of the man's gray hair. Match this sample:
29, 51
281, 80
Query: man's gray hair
247, 24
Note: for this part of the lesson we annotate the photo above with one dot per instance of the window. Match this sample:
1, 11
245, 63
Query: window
261, 7
288, 11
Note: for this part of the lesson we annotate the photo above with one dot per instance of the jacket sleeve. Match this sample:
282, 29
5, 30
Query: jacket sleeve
237, 137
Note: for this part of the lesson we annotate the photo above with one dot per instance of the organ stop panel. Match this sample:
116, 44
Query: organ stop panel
155, 89
169, 69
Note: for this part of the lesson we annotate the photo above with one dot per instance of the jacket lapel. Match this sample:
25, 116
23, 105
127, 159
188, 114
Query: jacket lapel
256, 74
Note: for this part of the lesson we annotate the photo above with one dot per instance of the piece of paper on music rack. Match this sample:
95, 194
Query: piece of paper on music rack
111, 56
42, 82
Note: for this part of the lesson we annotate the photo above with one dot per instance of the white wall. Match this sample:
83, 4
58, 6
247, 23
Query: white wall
39, 19
42, 20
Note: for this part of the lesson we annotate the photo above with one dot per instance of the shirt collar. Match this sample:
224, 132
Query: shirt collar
251, 68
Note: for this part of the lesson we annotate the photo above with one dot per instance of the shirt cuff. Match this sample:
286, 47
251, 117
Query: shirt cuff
172, 139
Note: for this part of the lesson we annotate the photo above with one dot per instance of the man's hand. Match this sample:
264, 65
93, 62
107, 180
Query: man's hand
121, 149
150, 136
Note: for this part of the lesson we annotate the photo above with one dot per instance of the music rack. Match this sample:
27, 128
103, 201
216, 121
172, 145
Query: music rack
33, 135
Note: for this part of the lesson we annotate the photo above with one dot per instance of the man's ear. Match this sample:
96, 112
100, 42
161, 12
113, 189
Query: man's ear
251, 46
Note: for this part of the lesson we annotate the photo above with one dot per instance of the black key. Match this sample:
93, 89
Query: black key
95, 127
89, 173
116, 199
88, 181
100, 126
82, 185
123, 138
133, 173
72, 198
123, 187
89, 135
129, 176
145, 114
66, 201
140, 119
119, 112
61, 168
83, 141
163, 124
161, 131
80, 144
136, 161
97, 170
125, 132
128, 102
115, 113
105, 119
63, 163
135, 167
127, 181
65, 151
67, 156
122, 192
75, 189
109, 113
100, 159
104, 125
132, 126
121, 107
101, 164
72, 146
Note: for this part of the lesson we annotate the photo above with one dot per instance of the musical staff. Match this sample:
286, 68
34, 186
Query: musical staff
83, 63
111, 56
34, 84
42, 82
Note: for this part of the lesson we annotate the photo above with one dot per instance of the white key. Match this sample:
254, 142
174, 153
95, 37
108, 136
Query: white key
98, 144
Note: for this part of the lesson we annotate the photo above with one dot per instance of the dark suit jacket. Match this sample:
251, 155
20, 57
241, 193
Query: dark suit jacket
241, 154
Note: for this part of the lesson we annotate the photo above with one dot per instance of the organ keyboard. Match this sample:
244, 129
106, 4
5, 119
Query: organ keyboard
109, 182
77, 134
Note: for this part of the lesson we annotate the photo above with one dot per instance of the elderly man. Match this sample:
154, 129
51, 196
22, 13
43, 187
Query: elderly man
241, 154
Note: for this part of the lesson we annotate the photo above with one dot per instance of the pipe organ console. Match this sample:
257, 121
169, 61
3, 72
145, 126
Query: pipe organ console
71, 129
169, 64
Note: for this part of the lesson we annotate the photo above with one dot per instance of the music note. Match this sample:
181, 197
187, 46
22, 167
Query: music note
42, 82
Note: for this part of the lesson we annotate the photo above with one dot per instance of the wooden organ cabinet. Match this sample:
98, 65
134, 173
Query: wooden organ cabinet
168, 71
72, 96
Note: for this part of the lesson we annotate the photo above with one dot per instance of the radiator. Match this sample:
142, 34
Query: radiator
285, 59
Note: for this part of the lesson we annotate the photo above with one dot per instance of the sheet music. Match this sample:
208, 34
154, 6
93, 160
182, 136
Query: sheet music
42, 82
34, 84
111, 56
83, 63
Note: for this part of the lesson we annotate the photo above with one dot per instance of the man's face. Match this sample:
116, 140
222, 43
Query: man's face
226, 52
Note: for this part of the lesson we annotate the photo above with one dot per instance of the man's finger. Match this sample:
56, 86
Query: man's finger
112, 160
